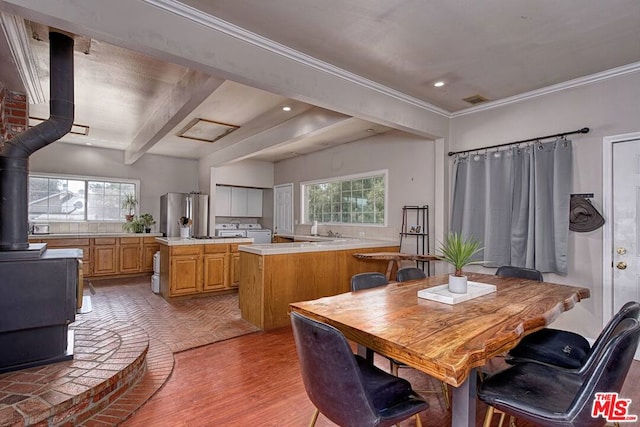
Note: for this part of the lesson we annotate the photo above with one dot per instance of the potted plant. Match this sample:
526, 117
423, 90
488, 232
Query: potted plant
459, 252
133, 226
129, 203
147, 221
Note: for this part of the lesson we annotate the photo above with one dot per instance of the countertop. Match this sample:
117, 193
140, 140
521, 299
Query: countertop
179, 241
90, 235
326, 244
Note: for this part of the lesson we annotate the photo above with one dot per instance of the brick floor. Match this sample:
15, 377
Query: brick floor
123, 354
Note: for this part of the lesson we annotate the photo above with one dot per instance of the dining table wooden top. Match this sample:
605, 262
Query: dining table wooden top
446, 341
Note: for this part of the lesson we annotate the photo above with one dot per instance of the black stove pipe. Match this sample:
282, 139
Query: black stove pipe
14, 157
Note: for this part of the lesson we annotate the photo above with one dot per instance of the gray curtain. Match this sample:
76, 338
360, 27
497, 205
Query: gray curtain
516, 202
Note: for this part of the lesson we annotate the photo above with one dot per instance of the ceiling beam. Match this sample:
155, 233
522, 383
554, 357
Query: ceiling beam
303, 125
192, 89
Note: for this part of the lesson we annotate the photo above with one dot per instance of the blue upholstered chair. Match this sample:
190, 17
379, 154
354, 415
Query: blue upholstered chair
546, 395
343, 386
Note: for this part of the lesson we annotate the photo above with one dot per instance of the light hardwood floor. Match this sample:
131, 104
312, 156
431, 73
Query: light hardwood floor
254, 380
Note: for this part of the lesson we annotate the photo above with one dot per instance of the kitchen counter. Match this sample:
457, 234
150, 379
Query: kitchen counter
180, 241
324, 244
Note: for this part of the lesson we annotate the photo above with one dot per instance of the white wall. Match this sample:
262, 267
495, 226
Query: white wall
409, 159
157, 174
609, 107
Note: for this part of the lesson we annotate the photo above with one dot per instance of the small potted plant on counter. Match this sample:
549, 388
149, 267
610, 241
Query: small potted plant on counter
185, 227
133, 226
459, 252
147, 221
129, 203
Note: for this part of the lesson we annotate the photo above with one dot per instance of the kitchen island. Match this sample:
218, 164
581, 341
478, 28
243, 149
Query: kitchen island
196, 267
274, 275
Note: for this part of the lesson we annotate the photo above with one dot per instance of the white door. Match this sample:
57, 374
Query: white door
283, 208
624, 213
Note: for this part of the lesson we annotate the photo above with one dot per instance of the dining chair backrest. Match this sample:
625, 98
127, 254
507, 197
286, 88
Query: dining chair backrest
368, 280
330, 373
519, 272
409, 273
630, 310
608, 372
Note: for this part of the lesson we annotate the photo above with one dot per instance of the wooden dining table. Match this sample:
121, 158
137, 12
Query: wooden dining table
446, 341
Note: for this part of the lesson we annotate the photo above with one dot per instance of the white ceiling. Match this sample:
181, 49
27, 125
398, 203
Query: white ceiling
139, 102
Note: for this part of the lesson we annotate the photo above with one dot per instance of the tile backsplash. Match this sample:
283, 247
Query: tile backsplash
85, 227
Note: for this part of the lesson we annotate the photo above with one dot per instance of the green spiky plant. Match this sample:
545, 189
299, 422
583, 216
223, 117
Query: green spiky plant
459, 251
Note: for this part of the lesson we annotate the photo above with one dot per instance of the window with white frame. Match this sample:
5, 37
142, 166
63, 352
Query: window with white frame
71, 198
355, 199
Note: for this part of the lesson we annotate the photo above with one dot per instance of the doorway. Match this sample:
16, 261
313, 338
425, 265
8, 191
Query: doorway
283, 208
621, 205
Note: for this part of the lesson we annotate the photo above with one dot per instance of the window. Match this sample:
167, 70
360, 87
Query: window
356, 199
66, 198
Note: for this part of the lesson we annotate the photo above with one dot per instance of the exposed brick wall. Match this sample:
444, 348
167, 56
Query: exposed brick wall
14, 114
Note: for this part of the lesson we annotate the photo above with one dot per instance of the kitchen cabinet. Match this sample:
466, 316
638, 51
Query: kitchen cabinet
238, 201
105, 256
198, 269
149, 248
234, 268
130, 255
185, 270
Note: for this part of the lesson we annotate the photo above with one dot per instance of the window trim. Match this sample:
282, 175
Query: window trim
369, 174
136, 182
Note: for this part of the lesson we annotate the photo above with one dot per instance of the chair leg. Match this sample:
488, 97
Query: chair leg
418, 422
512, 421
488, 417
314, 417
393, 367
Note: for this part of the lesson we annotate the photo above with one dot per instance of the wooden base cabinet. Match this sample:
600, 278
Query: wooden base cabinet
197, 269
105, 256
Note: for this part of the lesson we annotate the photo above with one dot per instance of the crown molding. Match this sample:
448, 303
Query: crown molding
232, 30
15, 31
593, 78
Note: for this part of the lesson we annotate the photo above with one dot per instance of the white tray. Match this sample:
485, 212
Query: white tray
442, 294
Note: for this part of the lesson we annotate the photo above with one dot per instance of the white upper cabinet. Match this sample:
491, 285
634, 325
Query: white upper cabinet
238, 201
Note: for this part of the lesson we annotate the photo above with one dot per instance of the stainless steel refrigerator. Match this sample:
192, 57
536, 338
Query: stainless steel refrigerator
174, 206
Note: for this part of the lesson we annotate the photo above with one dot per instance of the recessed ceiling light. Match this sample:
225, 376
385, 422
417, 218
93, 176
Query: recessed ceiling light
286, 108
370, 130
88, 143
438, 84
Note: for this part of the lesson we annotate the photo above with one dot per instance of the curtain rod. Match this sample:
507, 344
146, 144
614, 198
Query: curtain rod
558, 135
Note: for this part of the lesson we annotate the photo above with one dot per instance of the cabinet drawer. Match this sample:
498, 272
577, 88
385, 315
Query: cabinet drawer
51, 243
216, 248
186, 250
104, 241
147, 240
130, 240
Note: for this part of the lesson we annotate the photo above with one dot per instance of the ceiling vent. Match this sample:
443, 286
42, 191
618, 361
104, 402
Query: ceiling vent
475, 99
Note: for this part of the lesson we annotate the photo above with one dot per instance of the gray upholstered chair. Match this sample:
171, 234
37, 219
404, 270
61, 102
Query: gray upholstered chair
343, 386
519, 272
409, 273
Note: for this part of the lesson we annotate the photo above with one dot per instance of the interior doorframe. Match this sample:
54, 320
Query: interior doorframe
607, 208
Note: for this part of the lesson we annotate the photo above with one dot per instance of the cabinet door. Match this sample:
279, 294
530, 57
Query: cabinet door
254, 202
148, 251
105, 260
238, 201
214, 272
186, 275
234, 270
223, 201
130, 259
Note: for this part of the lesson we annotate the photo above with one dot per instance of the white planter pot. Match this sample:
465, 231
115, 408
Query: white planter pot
457, 284
184, 232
